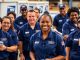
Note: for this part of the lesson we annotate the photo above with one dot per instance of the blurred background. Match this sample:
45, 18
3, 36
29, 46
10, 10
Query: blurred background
44, 5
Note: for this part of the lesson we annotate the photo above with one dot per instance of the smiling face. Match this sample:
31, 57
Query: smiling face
6, 24
62, 11
45, 23
31, 18
74, 16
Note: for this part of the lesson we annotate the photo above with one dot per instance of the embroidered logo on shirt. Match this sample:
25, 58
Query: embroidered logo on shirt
1, 42
27, 32
60, 20
21, 22
75, 39
3, 39
67, 19
51, 42
37, 31
72, 29
36, 42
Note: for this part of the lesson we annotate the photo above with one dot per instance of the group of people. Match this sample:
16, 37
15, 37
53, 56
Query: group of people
40, 37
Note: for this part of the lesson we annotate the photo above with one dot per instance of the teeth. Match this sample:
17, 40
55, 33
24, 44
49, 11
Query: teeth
44, 27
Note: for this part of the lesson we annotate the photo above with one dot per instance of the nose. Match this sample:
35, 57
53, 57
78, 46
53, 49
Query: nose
45, 23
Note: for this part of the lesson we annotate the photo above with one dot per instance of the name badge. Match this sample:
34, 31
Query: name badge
36, 42
51, 42
21, 22
72, 29
67, 19
60, 20
27, 32
3, 39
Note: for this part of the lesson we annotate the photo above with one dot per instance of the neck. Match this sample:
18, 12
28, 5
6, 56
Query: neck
32, 25
24, 16
45, 34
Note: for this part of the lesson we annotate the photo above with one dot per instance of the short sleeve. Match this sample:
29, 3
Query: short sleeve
60, 48
15, 38
20, 35
55, 23
31, 43
65, 29
69, 41
10, 41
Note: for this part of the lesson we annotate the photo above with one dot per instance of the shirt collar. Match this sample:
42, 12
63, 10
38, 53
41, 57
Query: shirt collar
36, 25
49, 34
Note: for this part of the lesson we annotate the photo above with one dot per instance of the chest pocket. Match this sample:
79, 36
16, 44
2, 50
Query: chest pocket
26, 34
51, 44
75, 43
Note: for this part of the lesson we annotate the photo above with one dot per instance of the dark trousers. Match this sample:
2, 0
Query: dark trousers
13, 56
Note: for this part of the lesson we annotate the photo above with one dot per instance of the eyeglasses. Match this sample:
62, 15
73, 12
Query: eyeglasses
6, 23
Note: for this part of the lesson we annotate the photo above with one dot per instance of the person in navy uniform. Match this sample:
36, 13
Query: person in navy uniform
60, 19
25, 33
6, 44
73, 44
46, 44
12, 15
70, 25
21, 20
8, 27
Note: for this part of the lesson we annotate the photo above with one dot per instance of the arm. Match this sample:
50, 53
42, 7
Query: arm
32, 56
67, 53
57, 58
20, 45
9, 49
60, 51
65, 37
65, 31
21, 50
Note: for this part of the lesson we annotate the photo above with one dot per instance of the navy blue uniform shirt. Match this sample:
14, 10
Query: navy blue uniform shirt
7, 41
13, 55
48, 48
25, 34
13, 36
16, 28
68, 27
74, 43
59, 21
20, 21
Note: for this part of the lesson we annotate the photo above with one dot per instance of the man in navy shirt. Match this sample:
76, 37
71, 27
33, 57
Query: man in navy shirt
73, 44
26, 32
21, 20
70, 25
60, 19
